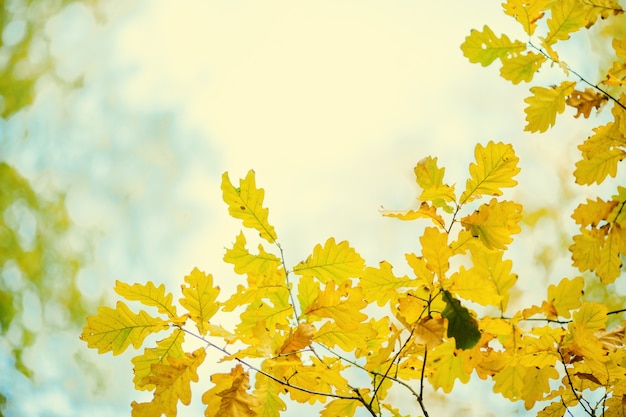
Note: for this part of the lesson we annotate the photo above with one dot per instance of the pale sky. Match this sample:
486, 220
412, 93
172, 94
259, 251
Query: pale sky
332, 103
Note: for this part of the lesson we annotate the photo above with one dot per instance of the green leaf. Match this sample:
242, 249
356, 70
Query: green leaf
461, 325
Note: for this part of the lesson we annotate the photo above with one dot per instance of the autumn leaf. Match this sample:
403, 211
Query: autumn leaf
247, 263
494, 169
343, 304
430, 179
527, 13
429, 331
592, 212
148, 295
491, 266
267, 391
444, 367
380, 285
297, 340
545, 104
494, 223
115, 329
246, 203
485, 47
199, 298
172, 381
461, 325
599, 166
333, 262
567, 17
425, 211
537, 384
436, 251
475, 286
521, 67
331, 335
340, 407
565, 296
585, 101
229, 396
142, 364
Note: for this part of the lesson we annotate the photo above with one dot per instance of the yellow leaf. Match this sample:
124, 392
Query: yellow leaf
495, 167
246, 203
545, 104
331, 335
142, 364
527, 13
308, 290
593, 212
113, 330
596, 168
436, 251
340, 408
333, 262
429, 331
485, 47
610, 263
342, 304
555, 409
421, 271
586, 249
585, 101
567, 16
425, 211
148, 295
473, 285
510, 381
229, 397
267, 391
491, 265
270, 315
199, 298
444, 366
566, 296
494, 223
591, 316
298, 340
430, 178
381, 285
537, 384
258, 287
520, 68
172, 383
247, 263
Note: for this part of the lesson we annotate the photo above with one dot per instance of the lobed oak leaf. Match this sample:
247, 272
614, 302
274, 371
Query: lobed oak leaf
586, 249
445, 366
246, 263
491, 265
510, 381
565, 296
343, 304
536, 384
258, 287
420, 269
148, 295
429, 331
380, 285
333, 262
269, 315
473, 285
494, 223
430, 179
590, 316
436, 251
485, 47
596, 168
114, 329
545, 104
308, 291
297, 340
246, 203
527, 13
609, 266
267, 391
554, 409
172, 346
461, 324
341, 407
494, 169
199, 298
593, 212
566, 17
522, 67
425, 211
229, 396
585, 101
172, 383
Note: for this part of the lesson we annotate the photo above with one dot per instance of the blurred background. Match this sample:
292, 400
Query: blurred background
118, 118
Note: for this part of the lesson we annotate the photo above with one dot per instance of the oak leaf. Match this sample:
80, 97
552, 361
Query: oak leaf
565, 296
343, 304
494, 223
425, 211
585, 101
430, 179
333, 262
527, 13
246, 203
545, 104
229, 396
199, 298
114, 329
521, 67
436, 251
494, 169
485, 47
148, 295
566, 17
297, 340
475, 286
380, 285
172, 346
444, 367
461, 325
246, 263
429, 331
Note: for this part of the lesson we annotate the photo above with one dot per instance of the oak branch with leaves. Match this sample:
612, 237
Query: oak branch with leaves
302, 332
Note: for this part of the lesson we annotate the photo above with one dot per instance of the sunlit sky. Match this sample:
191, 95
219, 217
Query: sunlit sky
332, 103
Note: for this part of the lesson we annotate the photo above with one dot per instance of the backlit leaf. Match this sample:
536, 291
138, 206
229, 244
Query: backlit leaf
148, 295
566, 295
199, 298
598, 167
491, 265
494, 223
545, 104
430, 178
436, 251
610, 262
333, 262
114, 329
473, 285
297, 340
172, 346
494, 169
267, 391
521, 67
592, 212
172, 381
567, 17
429, 331
527, 13
585, 101
331, 335
380, 285
340, 407
485, 47
247, 263
444, 367
343, 304
425, 211
246, 203
229, 396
